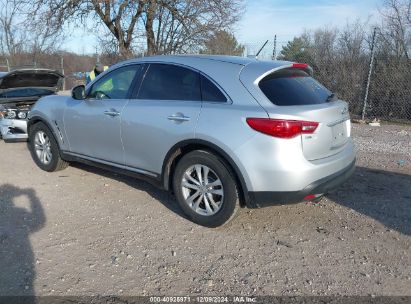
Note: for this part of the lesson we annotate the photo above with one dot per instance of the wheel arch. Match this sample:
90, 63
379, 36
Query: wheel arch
36, 119
186, 146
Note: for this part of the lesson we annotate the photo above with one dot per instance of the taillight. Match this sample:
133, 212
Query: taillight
300, 65
282, 128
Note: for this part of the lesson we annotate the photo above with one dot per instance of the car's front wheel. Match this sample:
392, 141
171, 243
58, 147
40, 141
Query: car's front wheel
44, 148
205, 188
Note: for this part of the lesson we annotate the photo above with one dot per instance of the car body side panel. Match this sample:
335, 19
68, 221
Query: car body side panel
93, 133
148, 133
266, 163
225, 125
50, 110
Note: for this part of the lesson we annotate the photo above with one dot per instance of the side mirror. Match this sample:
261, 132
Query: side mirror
79, 92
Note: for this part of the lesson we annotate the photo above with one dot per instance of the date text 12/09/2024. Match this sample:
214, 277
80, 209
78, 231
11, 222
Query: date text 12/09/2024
203, 299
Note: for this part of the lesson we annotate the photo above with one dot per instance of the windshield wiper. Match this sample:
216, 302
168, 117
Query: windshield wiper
331, 97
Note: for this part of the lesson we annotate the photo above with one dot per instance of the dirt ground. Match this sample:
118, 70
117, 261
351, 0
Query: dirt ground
85, 231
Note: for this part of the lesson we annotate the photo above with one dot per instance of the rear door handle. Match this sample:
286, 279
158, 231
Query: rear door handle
112, 113
178, 117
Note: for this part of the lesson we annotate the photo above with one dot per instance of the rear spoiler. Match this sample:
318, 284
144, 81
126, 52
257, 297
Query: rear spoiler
292, 65
303, 66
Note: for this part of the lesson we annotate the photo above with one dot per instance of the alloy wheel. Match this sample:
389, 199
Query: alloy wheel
202, 190
42, 147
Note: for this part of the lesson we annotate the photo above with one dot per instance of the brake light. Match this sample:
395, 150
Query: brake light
300, 66
309, 197
282, 128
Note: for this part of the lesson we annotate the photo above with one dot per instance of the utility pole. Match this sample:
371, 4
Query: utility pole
367, 89
97, 56
274, 57
62, 71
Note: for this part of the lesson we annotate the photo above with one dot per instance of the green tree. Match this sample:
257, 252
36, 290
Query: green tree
295, 50
222, 43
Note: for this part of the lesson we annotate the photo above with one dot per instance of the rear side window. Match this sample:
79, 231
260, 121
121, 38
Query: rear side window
170, 82
291, 87
209, 92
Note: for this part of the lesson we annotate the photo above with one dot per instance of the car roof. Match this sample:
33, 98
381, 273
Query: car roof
193, 60
221, 58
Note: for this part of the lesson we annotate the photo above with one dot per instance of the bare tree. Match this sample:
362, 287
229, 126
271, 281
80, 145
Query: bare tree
119, 17
396, 27
11, 38
168, 25
182, 26
20, 34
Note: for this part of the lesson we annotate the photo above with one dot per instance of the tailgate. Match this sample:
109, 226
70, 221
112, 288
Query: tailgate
332, 133
289, 92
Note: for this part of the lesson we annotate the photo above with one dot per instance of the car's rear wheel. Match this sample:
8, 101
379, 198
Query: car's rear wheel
44, 149
205, 189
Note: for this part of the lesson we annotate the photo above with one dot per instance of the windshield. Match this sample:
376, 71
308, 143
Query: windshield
26, 92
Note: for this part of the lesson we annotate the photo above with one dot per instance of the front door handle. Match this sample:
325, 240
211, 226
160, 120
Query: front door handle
112, 113
178, 117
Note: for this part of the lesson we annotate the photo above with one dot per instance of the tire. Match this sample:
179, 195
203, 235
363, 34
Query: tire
219, 191
41, 139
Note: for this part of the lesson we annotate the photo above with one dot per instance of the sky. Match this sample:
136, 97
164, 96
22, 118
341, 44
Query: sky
265, 18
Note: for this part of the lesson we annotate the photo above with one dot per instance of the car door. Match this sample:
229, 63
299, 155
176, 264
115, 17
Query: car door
92, 125
163, 112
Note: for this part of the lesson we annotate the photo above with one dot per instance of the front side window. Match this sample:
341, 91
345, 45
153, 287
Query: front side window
170, 82
116, 84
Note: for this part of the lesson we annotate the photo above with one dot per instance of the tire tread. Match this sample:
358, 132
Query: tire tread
57, 163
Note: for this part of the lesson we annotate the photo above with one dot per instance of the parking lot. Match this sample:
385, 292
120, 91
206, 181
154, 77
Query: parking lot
85, 231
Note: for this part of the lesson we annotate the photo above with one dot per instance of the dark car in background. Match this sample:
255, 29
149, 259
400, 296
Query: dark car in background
19, 91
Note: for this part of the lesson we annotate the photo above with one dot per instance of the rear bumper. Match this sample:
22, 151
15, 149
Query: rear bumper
13, 129
260, 199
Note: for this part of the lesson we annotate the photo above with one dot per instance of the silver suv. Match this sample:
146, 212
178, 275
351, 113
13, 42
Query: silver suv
220, 132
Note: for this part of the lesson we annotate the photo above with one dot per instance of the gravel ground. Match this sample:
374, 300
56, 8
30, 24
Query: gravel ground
84, 231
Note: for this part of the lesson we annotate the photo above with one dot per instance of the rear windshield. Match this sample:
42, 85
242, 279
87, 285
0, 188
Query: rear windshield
291, 87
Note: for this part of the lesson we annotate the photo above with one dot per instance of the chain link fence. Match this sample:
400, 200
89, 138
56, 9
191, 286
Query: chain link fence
388, 80
390, 90
389, 86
